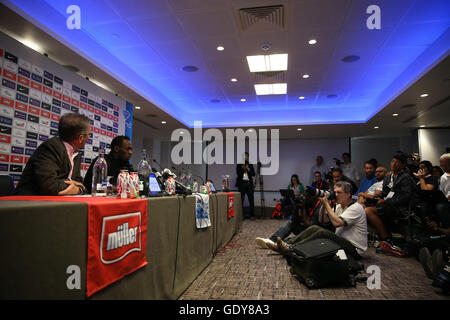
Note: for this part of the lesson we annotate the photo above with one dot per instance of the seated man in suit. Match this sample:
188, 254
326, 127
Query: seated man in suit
118, 159
54, 167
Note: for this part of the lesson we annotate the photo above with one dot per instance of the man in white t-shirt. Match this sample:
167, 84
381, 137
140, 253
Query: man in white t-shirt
348, 169
444, 184
349, 220
376, 189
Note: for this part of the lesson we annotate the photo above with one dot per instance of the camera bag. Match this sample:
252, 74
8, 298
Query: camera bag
316, 264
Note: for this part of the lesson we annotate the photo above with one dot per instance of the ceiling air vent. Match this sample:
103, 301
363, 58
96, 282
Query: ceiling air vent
263, 18
269, 77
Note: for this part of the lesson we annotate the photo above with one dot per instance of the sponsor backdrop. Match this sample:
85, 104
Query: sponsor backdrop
35, 92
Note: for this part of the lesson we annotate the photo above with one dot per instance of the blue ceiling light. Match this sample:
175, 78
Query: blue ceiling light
153, 45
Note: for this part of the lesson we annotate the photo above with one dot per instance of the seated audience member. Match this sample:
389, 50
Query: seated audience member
118, 159
438, 225
307, 212
348, 169
54, 167
426, 180
337, 176
397, 193
319, 166
349, 221
296, 186
320, 183
437, 172
375, 190
369, 180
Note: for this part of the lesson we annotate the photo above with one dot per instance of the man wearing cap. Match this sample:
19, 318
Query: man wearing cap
397, 193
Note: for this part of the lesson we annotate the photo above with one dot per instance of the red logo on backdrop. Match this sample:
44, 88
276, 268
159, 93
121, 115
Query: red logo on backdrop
7, 102
21, 106
33, 110
9, 75
17, 159
36, 85
66, 99
4, 157
91, 109
55, 117
76, 103
47, 90
5, 139
45, 114
121, 235
24, 81
57, 95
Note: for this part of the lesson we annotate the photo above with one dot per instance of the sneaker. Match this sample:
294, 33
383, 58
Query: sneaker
437, 262
262, 242
283, 247
425, 261
389, 248
273, 246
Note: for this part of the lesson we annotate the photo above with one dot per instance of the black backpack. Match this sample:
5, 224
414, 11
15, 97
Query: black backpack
316, 264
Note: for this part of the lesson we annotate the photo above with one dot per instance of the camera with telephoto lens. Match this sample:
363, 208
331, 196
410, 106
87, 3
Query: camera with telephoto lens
320, 193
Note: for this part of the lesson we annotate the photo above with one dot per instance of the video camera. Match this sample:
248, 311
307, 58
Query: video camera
320, 193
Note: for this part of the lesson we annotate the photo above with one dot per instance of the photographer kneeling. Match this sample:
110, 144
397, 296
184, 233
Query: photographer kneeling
349, 220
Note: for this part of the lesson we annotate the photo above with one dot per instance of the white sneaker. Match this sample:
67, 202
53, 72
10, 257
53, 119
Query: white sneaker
262, 242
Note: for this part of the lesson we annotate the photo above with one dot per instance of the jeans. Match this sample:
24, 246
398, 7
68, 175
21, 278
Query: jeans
316, 232
286, 229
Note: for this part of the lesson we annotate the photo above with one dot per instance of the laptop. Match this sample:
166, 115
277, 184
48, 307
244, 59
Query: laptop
154, 187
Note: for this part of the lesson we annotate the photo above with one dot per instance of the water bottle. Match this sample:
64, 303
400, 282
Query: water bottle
100, 176
144, 170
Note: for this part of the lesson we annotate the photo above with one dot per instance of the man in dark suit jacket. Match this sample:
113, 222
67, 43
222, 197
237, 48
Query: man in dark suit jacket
398, 192
245, 173
54, 167
118, 159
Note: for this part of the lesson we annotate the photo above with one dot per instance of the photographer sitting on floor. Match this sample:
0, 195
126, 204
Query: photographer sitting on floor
398, 189
349, 221
307, 212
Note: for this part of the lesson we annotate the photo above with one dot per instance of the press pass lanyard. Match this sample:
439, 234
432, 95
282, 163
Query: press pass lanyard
315, 207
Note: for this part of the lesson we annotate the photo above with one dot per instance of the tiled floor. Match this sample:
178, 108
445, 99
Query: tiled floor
244, 271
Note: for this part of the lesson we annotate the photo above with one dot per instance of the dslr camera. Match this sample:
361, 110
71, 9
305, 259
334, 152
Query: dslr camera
320, 193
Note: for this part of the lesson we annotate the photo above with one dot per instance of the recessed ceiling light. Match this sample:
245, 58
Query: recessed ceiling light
424, 95
233, 80
181, 132
263, 63
136, 107
305, 76
220, 48
299, 129
270, 88
301, 98
351, 58
395, 114
376, 127
190, 68
250, 130
312, 41
422, 126
243, 100
163, 122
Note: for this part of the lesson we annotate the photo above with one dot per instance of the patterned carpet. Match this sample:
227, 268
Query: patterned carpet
241, 270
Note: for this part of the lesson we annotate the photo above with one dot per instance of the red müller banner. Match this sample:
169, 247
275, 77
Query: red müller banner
230, 204
117, 242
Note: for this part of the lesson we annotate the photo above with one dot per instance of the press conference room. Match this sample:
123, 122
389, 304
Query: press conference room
225, 150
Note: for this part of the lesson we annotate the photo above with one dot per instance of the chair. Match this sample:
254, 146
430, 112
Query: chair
6, 185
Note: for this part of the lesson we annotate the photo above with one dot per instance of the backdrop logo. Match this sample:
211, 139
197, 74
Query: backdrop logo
374, 20
213, 152
120, 236
74, 20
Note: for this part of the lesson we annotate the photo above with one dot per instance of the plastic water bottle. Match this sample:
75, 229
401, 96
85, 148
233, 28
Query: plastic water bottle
100, 176
144, 170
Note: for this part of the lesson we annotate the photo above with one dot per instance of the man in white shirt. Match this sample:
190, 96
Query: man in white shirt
320, 166
349, 169
349, 220
444, 184
375, 189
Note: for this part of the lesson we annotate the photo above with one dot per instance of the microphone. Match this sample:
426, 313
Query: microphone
158, 164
